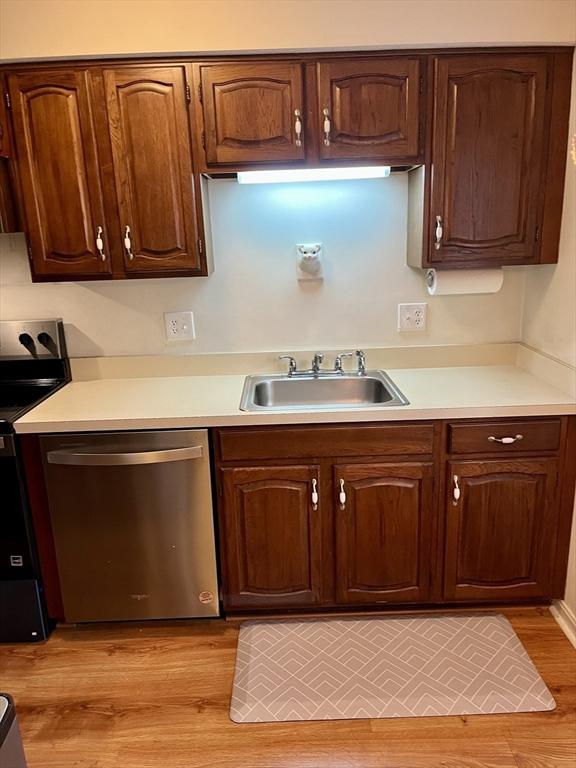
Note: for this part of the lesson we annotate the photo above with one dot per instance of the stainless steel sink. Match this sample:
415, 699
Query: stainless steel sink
281, 392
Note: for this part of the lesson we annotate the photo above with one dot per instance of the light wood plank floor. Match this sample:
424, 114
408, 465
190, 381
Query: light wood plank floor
156, 696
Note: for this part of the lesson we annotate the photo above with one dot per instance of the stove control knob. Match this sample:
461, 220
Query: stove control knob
45, 339
26, 340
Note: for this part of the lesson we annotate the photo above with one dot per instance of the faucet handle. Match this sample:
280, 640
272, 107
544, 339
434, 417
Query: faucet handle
338, 361
361, 362
291, 363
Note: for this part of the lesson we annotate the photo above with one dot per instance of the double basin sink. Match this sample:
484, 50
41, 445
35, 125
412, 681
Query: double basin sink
284, 392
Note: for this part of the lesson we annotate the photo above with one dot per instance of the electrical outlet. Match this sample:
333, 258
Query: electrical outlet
179, 326
412, 317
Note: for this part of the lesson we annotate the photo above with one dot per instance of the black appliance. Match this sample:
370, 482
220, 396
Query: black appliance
33, 365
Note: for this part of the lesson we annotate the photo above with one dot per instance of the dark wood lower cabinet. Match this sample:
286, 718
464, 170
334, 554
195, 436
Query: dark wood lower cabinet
501, 532
383, 522
270, 533
387, 531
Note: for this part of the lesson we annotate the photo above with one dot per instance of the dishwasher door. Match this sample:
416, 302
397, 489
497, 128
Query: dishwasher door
133, 524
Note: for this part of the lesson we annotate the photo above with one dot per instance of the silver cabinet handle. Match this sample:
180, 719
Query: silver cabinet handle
100, 243
315, 496
456, 493
128, 243
342, 495
505, 440
326, 126
86, 459
438, 231
298, 127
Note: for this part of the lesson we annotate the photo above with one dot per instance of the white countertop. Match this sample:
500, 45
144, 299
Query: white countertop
207, 401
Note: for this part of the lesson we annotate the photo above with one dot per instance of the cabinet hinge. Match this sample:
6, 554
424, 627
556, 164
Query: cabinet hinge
421, 85
7, 100
188, 94
200, 93
200, 246
203, 139
419, 133
537, 235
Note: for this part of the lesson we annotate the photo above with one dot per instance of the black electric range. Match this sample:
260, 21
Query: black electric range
33, 365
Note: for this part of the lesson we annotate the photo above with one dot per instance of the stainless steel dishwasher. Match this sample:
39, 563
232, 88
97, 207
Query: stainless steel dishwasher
133, 524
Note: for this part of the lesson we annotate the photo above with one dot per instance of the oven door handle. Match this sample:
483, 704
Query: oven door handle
88, 459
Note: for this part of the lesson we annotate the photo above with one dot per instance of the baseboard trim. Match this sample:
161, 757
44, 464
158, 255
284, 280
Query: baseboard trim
566, 619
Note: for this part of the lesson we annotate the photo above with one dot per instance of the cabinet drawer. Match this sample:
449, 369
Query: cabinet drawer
314, 442
502, 437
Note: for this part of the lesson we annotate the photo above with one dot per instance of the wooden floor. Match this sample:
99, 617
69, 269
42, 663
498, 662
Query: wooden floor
157, 696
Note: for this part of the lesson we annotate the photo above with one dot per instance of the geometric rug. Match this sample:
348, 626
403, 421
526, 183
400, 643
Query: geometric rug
333, 669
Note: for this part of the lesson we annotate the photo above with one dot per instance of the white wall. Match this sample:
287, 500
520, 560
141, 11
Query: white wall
253, 301
42, 28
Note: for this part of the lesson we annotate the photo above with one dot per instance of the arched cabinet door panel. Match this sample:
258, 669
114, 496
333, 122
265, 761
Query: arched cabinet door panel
59, 174
489, 157
501, 531
152, 155
370, 109
383, 516
271, 536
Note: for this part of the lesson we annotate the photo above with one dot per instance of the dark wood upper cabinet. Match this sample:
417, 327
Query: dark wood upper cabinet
370, 109
492, 118
253, 112
383, 532
501, 532
270, 534
152, 155
59, 174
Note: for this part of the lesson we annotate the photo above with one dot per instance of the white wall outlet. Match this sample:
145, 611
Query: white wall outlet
309, 261
412, 317
179, 326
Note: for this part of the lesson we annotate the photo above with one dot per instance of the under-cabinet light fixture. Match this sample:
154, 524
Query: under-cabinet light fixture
313, 174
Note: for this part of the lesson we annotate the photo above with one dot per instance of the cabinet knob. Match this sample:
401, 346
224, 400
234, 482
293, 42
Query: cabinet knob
342, 495
456, 493
439, 231
327, 126
100, 243
128, 243
505, 440
298, 127
315, 496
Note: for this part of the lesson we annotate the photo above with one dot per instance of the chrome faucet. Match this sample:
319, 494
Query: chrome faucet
338, 361
316, 362
361, 362
291, 363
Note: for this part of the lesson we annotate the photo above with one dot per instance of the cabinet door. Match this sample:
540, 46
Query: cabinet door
488, 156
58, 166
270, 532
383, 532
501, 532
369, 109
250, 112
151, 147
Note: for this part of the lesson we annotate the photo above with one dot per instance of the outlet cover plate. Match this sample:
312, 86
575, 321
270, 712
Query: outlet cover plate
179, 326
412, 317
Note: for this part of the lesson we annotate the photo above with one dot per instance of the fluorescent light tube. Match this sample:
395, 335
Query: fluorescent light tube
313, 174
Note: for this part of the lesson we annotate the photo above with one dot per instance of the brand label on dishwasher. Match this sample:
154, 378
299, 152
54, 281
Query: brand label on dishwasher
206, 597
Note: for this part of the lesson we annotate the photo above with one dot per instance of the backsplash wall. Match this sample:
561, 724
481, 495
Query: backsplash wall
253, 301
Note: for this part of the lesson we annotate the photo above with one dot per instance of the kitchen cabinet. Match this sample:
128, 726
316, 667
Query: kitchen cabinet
84, 222
6, 149
501, 528
369, 109
252, 112
270, 527
383, 525
152, 156
284, 112
407, 513
498, 157
58, 165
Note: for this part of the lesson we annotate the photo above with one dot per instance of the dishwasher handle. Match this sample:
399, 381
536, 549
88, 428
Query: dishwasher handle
88, 459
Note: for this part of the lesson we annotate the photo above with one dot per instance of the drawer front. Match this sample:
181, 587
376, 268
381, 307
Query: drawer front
502, 437
315, 442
